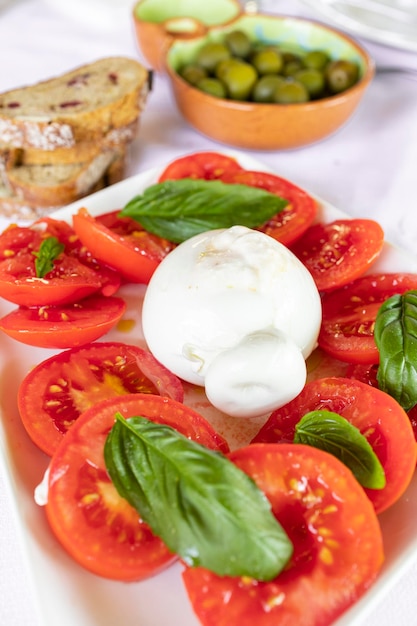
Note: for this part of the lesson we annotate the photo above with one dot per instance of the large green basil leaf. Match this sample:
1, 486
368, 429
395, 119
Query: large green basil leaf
48, 252
203, 506
333, 433
396, 338
180, 209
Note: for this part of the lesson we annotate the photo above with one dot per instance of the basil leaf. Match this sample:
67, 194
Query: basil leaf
333, 433
48, 252
180, 209
395, 335
203, 506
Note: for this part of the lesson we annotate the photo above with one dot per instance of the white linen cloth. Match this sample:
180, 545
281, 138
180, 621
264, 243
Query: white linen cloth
367, 169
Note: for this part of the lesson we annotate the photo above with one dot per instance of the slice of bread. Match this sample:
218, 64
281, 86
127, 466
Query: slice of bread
80, 153
36, 190
82, 105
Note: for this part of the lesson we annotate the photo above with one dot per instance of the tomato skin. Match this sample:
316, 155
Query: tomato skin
64, 326
349, 314
121, 243
54, 394
377, 415
300, 212
206, 165
95, 525
339, 252
337, 542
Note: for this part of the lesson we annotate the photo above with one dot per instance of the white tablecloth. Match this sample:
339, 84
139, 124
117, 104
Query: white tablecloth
367, 169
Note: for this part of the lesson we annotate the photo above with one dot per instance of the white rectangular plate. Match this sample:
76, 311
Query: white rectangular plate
69, 595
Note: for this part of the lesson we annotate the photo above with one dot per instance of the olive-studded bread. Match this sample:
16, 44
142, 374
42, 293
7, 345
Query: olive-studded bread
82, 105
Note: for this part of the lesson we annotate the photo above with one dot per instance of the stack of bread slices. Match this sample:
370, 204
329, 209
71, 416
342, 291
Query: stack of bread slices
68, 136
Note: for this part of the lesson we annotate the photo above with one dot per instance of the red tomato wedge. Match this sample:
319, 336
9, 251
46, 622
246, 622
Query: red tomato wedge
207, 165
349, 314
53, 394
64, 326
339, 252
74, 275
121, 243
337, 542
288, 225
376, 414
96, 526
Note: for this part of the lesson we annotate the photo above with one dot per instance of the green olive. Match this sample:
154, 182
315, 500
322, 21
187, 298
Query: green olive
240, 80
291, 92
292, 67
212, 86
193, 73
340, 75
316, 59
313, 81
265, 87
238, 43
267, 61
211, 54
223, 67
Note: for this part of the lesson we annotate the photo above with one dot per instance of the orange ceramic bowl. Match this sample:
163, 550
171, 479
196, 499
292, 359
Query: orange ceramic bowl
159, 22
257, 126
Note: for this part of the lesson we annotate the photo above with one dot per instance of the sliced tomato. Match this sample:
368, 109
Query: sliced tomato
376, 414
64, 326
337, 540
122, 243
53, 394
367, 373
339, 252
207, 165
96, 526
74, 275
349, 314
288, 225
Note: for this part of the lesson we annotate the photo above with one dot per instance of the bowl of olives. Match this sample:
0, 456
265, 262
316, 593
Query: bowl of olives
267, 82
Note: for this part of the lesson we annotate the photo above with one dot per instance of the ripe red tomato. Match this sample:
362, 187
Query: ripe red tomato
288, 225
207, 165
349, 313
339, 252
367, 373
337, 542
97, 527
64, 326
53, 394
376, 414
121, 243
74, 275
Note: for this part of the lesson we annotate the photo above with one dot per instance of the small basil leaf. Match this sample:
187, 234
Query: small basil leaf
48, 252
334, 434
202, 506
396, 338
180, 209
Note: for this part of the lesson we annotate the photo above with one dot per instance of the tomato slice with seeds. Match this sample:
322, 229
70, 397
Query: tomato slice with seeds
121, 243
64, 326
53, 394
338, 549
339, 252
300, 212
349, 314
207, 165
73, 276
377, 415
95, 525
